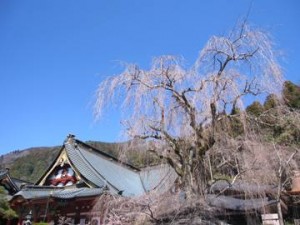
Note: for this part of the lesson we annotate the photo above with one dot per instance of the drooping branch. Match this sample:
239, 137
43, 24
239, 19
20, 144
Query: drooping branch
179, 107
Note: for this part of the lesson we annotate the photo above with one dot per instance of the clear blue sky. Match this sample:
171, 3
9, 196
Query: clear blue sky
53, 54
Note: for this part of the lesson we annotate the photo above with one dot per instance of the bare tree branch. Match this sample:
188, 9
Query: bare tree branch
180, 108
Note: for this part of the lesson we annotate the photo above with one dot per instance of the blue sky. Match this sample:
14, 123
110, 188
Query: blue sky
54, 53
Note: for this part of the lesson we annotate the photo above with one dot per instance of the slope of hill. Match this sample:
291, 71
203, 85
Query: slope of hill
31, 163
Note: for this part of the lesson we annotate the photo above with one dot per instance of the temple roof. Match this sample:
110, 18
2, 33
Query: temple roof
112, 172
3, 173
94, 171
7, 182
39, 192
235, 204
241, 196
104, 170
84, 166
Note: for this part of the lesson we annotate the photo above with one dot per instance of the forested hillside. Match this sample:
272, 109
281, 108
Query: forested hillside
30, 163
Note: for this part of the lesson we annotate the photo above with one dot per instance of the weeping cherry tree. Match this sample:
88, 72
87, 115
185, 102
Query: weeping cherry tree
176, 109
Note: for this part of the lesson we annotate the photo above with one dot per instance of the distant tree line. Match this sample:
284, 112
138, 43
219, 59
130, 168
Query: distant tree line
284, 129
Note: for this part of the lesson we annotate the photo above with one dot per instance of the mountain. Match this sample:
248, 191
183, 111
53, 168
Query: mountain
29, 164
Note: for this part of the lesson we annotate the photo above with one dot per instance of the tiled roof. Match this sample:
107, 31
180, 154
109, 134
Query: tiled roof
39, 192
8, 183
81, 192
234, 202
159, 178
83, 166
19, 183
3, 173
118, 177
231, 203
101, 170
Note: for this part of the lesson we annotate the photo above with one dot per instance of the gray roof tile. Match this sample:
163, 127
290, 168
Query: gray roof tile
36, 192
231, 203
159, 178
102, 170
118, 177
84, 166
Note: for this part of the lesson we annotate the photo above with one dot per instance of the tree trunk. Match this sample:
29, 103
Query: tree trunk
280, 217
188, 182
194, 179
279, 211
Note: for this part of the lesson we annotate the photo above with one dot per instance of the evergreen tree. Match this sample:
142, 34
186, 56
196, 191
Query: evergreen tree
291, 94
255, 109
5, 211
271, 102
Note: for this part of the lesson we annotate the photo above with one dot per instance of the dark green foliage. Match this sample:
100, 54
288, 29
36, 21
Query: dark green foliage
255, 109
5, 211
291, 94
109, 148
141, 159
31, 166
232, 125
271, 102
235, 111
279, 124
236, 126
136, 156
286, 131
